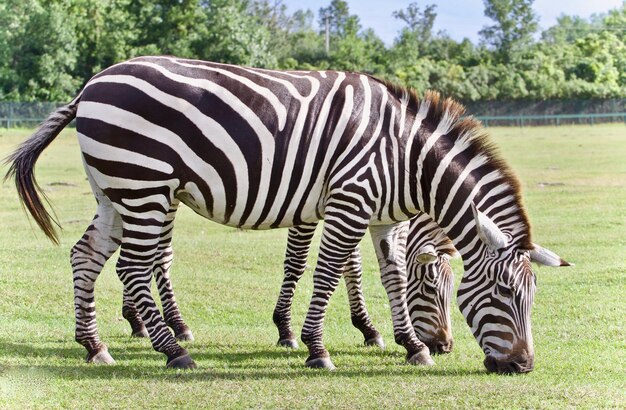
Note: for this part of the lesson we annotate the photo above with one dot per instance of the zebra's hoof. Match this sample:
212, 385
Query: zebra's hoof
376, 341
320, 363
101, 357
143, 332
421, 358
288, 343
181, 362
185, 336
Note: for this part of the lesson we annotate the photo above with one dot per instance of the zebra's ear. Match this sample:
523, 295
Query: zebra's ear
488, 232
426, 254
546, 257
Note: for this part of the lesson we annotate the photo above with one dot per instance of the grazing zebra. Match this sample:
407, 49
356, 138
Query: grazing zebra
430, 283
264, 149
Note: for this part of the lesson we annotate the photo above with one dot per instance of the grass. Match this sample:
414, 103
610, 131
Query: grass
226, 280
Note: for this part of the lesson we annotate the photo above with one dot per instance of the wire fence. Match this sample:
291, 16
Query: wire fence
24, 114
491, 113
548, 112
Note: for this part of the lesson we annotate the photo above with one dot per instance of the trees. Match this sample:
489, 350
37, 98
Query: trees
414, 38
515, 24
39, 51
419, 24
234, 35
49, 49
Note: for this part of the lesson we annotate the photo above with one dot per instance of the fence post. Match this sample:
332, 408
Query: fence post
10, 114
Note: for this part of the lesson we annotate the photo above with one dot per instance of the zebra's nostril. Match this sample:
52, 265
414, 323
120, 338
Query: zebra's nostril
444, 347
516, 365
490, 364
439, 347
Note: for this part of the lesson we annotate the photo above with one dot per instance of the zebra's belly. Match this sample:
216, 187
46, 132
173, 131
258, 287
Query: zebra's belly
260, 216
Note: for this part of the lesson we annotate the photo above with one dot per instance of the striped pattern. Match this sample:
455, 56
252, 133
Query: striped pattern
161, 269
429, 288
205, 134
430, 284
298, 245
264, 149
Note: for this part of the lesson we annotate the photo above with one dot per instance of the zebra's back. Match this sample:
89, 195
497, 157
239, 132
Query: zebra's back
243, 147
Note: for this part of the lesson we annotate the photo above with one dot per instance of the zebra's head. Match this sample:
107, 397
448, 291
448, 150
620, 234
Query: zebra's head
496, 295
429, 290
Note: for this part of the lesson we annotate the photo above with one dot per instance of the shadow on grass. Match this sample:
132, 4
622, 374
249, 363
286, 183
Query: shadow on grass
140, 349
140, 362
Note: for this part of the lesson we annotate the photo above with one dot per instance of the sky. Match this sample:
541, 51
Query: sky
459, 18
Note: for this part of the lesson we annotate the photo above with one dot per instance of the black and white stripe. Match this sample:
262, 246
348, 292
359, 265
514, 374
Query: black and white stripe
430, 284
264, 149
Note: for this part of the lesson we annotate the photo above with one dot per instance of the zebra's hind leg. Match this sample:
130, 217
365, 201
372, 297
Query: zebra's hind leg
358, 312
161, 270
171, 312
340, 237
298, 245
88, 256
390, 245
130, 313
139, 250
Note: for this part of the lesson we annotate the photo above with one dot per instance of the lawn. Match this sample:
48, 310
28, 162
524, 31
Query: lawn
227, 281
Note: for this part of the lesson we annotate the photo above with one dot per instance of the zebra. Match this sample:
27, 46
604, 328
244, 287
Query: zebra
429, 285
264, 149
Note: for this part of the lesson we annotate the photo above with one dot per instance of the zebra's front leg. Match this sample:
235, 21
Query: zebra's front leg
390, 245
138, 254
358, 312
340, 237
88, 257
298, 244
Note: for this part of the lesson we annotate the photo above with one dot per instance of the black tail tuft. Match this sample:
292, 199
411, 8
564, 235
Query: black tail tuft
22, 167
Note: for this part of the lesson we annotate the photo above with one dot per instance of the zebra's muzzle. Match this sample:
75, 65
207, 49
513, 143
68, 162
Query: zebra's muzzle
518, 364
439, 346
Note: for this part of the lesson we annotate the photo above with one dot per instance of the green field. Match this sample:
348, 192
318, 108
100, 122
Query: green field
227, 280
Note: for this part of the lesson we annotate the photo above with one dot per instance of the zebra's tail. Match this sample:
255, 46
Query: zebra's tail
22, 167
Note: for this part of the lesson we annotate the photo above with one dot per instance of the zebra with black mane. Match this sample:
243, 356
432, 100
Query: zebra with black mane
262, 149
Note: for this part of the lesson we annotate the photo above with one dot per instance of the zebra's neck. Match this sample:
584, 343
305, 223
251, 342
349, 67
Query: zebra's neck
453, 164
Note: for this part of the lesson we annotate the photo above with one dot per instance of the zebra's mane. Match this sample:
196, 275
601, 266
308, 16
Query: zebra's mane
471, 129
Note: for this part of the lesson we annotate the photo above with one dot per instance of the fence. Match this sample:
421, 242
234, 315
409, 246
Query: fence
502, 113
25, 114
548, 112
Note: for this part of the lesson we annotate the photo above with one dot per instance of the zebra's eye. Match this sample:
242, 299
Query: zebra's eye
505, 291
492, 253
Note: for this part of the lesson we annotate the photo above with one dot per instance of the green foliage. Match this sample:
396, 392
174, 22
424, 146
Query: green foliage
49, 49
235, 36
515, 23
41, 50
